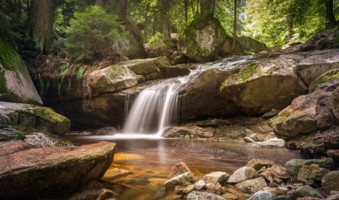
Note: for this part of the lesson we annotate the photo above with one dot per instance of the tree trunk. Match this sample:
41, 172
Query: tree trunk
290, 26
234, 25
207, 8
166, 23
42, 23
331, 22
147, 22
123, 10
99, 3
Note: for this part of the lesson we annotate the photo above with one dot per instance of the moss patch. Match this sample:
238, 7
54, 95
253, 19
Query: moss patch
326, 77
247, 72
48, 114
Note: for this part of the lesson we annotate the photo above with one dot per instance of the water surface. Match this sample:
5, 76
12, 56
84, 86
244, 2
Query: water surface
151, 160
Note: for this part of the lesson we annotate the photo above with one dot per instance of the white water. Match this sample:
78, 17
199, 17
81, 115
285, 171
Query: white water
155, 108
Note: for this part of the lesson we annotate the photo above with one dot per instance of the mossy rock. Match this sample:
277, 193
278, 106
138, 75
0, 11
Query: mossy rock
330, 181
15, 82
203, 39
33, 117
328, 76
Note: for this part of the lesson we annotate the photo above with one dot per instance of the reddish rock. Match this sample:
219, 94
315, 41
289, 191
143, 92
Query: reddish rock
44, 172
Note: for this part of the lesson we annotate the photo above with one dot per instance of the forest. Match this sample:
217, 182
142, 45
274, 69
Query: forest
169, 99
85, 31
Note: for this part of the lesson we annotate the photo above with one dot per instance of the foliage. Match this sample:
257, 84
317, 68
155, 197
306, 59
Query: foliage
281, 21
92, 35
156, 38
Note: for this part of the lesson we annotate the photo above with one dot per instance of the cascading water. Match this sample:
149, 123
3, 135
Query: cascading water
156, 107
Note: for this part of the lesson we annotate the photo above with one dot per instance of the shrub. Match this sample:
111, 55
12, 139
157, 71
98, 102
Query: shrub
92, 35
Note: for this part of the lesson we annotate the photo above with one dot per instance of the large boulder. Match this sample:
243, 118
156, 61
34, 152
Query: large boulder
202, 95
132, 43
316, 63
34, 117
52, 171
251, 45
203, 39
15, 82
263, 85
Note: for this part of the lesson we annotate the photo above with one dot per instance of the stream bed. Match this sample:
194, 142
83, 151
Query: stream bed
150, 160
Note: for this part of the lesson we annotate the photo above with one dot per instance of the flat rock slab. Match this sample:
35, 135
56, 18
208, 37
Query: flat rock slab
52, 171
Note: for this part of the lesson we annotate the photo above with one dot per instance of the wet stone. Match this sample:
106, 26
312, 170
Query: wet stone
242, 174
200, 184
262, 195
216, 177
203, 196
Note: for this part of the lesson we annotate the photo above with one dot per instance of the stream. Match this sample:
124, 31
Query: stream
151, 160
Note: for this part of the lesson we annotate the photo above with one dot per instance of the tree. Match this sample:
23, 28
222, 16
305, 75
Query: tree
166, 23
42, 23
331, 21
234, 25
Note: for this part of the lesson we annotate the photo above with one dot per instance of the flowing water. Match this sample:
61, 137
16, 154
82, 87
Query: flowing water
150, 160
156, 108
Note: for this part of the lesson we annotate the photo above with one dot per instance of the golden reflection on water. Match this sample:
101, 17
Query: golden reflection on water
150, 162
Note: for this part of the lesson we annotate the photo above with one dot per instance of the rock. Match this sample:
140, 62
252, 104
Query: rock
335, 103
329, 76
183, 179
270, 114
300, 117
275, 174
38, 139
110, 79
214, 188
93, 190
203, 196
316, 144
203, 39
183, 189
262, 195
251, 45
323, 40
254, 89
227, 48
212, 123
115, 173
310, 174
242, 174
232, 132
15, 82
249, 140
251, 186
273, 142
200, 185
174, 71
189, 131
50, 166
306, 191
33, 117
317, 63
216, 177
132, 44
330, 181
334, 154
179, 169
107, 130
201, 95
293, 166
157, 49
259, 164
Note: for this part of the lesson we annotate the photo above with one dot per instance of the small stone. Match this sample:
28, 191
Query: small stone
230, 196
258, 164
178, 169
183, 189
330, 181
214, 188
115, 173
306, 191
273, 142
309, 174
252, 186
262, 195
183, 179
200, 184
216, 177
249, 140
203, 196
242, 174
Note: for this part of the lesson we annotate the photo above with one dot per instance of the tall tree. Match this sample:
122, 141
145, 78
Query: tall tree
234, 24
166, 22
42, 23
207, 8
331, 22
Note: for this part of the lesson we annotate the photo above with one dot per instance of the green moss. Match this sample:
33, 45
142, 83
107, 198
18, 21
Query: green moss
329, 76
3, 83
10, 59
48, 114
222, 87
247, 72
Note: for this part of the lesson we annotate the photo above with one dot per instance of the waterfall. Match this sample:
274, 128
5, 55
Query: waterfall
156, 107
